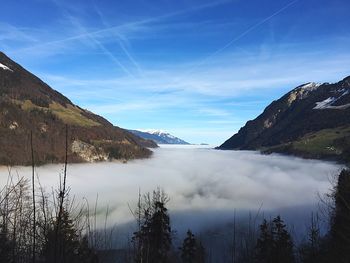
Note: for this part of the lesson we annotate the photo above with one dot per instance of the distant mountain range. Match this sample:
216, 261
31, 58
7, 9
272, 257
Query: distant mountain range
27, 105
158, 136
312, 121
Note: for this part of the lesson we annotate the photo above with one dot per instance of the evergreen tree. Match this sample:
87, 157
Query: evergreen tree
313, 250
86, 254
340, 224
264, 247
63, 244
159, 234
283, 244
191, 250
274, 244
154, 236
62, 241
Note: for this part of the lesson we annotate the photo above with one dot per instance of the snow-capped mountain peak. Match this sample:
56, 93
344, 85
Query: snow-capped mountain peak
152, 131
161, 133
158, 136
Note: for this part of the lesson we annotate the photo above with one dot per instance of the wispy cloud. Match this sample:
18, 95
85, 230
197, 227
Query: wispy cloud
117, 29
122, 41
83, 31
221, 80
12, 33
234, 40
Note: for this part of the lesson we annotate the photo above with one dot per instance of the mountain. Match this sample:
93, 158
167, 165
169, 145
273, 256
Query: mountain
311, 121
27, 105
158, 136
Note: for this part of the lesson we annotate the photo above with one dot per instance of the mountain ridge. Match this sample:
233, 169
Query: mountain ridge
311, 121
27, 104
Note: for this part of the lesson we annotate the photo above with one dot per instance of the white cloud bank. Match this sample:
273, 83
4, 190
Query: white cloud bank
196, 179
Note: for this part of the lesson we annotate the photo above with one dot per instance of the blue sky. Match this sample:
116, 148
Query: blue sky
198, 69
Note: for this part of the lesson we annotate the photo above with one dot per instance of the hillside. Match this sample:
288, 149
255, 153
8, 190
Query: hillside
159, 137
311, 121
27, 105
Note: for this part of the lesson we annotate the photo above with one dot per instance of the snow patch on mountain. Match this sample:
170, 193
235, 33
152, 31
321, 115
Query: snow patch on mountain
310, 86
328, 103
4, 67
325, 103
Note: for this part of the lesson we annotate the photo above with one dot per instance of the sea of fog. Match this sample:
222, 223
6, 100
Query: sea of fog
205, 186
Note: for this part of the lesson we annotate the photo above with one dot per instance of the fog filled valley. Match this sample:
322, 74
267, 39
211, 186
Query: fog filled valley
215, 194
196, 180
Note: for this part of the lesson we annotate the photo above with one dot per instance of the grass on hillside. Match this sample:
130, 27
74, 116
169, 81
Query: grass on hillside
322, 142
69, 115
327, 143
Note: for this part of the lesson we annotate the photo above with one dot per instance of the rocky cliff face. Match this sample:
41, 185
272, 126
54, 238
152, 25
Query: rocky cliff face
28, 105
312, 120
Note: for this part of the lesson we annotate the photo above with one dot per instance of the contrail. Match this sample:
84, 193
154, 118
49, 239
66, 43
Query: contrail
129, 24
77, 24
206, 59
111, 56
120, 40
131, 58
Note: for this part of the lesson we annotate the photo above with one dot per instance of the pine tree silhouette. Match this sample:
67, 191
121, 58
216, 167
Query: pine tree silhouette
340, 224
188, 249
264, 247
192, 251
154, 237
69, 247
275, 244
